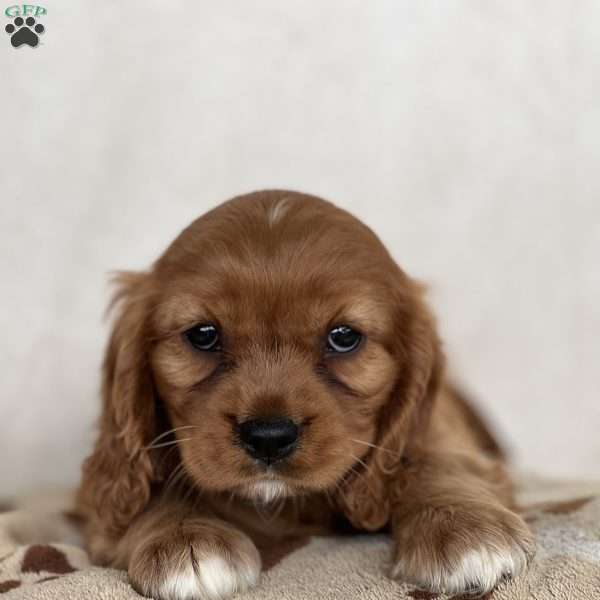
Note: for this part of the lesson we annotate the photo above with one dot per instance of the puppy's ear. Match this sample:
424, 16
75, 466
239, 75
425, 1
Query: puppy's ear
118, 474
405, 417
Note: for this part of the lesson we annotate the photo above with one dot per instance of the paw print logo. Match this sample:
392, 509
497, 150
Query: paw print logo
24, 32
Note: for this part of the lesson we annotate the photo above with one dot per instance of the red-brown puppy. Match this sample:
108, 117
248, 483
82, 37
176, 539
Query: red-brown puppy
276, 354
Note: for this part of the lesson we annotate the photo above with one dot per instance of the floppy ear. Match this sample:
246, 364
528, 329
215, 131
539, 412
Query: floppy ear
118, 474
365, 499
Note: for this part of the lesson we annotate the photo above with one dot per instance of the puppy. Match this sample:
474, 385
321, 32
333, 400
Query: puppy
276, 356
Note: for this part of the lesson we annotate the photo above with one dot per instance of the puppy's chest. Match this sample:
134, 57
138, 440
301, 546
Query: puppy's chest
297, 517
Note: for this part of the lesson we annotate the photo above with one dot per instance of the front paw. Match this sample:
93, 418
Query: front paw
201, 559
466, 549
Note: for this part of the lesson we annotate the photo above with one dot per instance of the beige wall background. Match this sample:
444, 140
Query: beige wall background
467, 134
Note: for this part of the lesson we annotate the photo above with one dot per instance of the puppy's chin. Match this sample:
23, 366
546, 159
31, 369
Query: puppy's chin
267, 491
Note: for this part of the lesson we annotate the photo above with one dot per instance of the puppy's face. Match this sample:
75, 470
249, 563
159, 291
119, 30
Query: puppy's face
275, 344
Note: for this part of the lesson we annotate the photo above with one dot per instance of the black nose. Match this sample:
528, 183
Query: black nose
268, 440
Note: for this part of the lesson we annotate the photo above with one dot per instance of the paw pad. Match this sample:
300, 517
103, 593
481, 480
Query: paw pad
24, 31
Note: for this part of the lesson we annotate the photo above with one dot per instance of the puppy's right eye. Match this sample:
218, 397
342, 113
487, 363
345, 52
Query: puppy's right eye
203, 337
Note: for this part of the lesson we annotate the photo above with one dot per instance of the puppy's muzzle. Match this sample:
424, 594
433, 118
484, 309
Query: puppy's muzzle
268, 440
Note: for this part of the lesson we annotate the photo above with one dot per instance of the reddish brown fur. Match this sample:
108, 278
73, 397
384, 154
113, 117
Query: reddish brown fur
384, 440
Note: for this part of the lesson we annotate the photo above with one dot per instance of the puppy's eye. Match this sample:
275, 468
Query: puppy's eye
203, 337
343, 339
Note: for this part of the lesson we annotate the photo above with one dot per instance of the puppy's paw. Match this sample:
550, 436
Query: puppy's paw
467, 549
200, 560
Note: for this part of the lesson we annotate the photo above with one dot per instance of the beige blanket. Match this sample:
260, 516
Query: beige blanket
565, 519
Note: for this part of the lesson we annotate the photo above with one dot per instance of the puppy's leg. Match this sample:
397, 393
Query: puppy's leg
171, 553
452, 529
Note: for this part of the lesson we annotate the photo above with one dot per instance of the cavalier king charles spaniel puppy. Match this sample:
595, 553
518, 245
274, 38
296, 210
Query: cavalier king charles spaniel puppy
275, 359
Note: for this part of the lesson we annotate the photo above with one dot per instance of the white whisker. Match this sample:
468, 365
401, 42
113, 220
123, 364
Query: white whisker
176, 476
376, 447
339, 484
362, 462
163, 444
165, 433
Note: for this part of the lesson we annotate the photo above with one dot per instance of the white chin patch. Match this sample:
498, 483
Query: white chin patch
268, 491
214, 578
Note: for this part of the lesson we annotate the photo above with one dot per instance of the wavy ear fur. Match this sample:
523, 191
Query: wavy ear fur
366, 498
117, 476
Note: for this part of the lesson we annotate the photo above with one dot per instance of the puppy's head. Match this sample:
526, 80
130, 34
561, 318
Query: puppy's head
283, 347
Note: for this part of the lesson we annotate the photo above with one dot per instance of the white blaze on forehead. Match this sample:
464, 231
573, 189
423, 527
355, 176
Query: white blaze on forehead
277, 210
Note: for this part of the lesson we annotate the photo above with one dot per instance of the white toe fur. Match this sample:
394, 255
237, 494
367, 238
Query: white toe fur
211, 579
477, 571
220, 579
482, 569
181, 585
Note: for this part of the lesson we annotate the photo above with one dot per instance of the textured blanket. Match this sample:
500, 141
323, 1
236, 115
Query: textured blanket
565, 519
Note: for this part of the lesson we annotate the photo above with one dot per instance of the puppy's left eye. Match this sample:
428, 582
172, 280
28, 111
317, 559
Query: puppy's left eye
203, 337
343, 339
